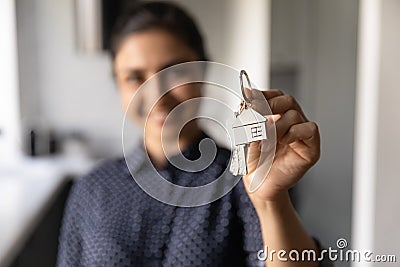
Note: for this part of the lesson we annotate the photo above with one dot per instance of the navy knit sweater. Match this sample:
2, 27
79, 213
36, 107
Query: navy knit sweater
110, 221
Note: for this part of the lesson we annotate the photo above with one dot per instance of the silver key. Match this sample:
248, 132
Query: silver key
249, 126
239, 160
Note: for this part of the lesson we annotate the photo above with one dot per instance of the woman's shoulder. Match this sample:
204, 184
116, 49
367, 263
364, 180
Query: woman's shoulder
104, 169
105, 175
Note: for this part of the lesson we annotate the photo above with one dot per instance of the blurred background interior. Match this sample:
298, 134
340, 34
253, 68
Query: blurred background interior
60, 111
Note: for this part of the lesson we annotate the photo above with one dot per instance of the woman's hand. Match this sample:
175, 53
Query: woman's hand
297, 149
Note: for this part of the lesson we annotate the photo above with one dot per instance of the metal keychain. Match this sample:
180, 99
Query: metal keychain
249, 126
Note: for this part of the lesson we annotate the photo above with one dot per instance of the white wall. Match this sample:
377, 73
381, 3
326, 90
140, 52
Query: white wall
387, 232
9, 104
237, 33
375, 223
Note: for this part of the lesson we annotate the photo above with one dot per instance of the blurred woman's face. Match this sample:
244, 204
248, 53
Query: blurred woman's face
140, 56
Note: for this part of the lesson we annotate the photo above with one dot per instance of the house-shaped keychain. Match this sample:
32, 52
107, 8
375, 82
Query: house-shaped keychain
249, 126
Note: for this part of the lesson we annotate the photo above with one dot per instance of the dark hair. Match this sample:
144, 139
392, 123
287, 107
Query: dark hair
143, 16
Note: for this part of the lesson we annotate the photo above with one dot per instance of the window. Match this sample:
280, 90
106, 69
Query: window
256, 131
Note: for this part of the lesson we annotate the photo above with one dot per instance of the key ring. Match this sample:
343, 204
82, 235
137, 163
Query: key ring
243, 72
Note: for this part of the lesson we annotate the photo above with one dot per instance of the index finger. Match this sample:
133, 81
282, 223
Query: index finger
271, 93
268, 94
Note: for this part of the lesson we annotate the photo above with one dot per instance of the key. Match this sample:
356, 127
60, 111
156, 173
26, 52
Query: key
239, 160
249, 126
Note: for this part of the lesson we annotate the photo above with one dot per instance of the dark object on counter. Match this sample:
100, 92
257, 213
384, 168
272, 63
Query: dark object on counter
42, 143
32, 143
53, 143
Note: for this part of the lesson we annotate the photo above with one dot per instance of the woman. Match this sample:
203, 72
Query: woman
110, 221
